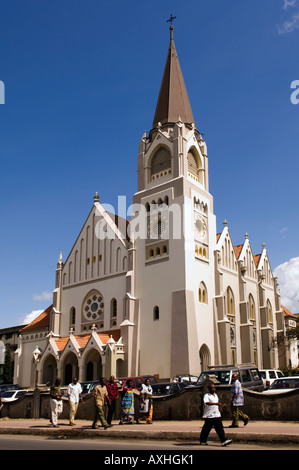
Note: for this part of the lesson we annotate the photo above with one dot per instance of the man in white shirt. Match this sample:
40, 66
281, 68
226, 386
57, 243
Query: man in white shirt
74, 392
212, 417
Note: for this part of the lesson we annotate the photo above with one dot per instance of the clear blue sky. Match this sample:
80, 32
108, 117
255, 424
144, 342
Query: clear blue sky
81, 85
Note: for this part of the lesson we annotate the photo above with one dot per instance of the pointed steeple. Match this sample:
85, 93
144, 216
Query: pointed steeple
173, 102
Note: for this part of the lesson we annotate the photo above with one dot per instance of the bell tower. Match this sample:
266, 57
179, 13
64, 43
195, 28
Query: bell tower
161, 160
175, 256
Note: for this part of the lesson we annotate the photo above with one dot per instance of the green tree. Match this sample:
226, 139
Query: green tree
285, 340
7, 368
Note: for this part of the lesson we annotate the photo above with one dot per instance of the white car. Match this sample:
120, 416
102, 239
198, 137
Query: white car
12, 395
283, 385
269, 375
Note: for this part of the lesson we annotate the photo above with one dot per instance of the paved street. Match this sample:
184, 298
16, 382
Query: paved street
108, 446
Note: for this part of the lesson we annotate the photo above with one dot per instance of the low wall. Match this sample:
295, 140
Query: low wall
184, 405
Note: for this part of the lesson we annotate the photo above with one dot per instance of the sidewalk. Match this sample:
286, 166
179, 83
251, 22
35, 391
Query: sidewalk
255, 431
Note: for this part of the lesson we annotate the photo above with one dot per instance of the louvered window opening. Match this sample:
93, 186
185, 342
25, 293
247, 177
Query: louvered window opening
161, 161
192, 164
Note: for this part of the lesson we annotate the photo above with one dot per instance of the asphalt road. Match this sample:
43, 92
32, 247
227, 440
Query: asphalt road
108, 446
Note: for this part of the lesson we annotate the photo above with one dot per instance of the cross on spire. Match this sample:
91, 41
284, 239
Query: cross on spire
171, 19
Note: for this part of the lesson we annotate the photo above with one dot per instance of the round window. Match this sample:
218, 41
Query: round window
93, 307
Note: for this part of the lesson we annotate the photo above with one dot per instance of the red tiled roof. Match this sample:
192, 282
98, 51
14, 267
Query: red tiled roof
82, 340
104, 338
42, 321
114, 333
287, 313
238, 249
256, 259
61, 343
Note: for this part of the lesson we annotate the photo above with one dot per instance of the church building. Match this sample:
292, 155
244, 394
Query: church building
162, 293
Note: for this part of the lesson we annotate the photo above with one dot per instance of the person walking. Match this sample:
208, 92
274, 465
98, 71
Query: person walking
100, 395
146, 402
74, 392
113, 394
56, 404
127, 404
237, 402
212, 417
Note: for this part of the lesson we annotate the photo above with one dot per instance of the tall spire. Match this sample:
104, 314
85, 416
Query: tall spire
173, 102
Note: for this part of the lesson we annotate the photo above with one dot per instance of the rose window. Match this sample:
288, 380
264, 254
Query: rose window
93, 308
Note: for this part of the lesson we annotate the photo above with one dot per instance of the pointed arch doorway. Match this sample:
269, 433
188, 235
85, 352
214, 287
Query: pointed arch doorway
93, 367
204, 357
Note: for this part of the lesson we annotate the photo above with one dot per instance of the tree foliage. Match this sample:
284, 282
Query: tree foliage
7, 377
284, 340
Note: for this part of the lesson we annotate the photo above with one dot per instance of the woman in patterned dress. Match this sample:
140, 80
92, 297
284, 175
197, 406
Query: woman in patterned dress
127, 404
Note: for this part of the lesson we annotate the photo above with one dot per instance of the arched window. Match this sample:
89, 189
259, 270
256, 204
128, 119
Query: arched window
251, 308
72, 316
203, 293
194, 165
161, 162
270, 313
113, 308
230, 304
156, 313
113, 312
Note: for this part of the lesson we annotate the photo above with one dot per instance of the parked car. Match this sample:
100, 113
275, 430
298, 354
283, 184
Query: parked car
283, 385
13, 395
5, 387
249, 376
87, 387
269, 375
190, 379
137, 381
168, 388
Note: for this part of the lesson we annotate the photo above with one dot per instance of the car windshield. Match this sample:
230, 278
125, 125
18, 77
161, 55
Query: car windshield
255, 374
8, 394
161, 389
87, 387
4, 388
285, 384
222, 376
138, 383
152, 380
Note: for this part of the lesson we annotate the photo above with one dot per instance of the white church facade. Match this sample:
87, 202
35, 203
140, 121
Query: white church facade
163, 293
